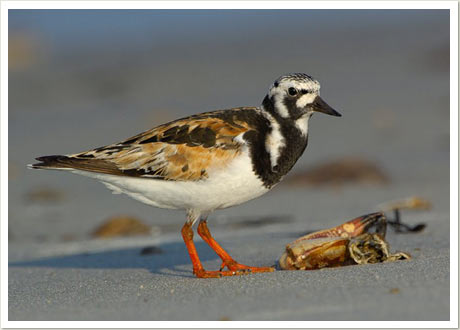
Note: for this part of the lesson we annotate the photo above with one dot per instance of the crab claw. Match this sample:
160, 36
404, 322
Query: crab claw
352, 228
315, 253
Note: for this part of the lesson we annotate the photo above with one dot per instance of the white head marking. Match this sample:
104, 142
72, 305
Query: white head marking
305, 99
300, 82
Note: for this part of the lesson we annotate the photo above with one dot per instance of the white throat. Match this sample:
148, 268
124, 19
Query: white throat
302, 124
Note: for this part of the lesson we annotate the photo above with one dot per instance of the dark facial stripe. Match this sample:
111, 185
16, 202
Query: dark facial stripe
290, 103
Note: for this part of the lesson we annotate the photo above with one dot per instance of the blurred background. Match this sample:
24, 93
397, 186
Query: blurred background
80, 79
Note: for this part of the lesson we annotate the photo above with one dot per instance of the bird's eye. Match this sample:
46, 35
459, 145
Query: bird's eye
292, 91
276, 84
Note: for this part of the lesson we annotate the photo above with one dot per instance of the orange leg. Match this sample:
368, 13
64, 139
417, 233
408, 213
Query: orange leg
227, 260
198, 270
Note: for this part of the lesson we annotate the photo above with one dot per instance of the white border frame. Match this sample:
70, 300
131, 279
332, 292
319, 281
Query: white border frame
450, 5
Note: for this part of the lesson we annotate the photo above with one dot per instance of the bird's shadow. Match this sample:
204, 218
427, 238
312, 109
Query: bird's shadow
166, 258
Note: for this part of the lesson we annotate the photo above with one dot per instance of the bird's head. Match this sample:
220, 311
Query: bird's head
295, 96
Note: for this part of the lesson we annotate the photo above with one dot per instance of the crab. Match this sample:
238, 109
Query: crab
359, 241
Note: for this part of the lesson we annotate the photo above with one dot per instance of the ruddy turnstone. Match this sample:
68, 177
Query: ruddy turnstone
208, 161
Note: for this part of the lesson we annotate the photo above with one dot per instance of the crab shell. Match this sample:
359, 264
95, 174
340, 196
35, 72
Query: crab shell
339, 246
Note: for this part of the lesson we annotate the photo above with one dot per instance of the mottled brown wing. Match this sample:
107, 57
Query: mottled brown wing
183, 150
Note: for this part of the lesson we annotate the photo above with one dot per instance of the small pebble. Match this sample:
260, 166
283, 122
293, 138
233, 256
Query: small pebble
151, 250
395, 290
121, 226
45, 195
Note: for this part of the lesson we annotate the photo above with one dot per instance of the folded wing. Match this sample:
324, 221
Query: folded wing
182, 150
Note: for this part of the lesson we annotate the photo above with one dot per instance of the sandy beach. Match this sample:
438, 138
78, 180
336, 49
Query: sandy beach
85, 80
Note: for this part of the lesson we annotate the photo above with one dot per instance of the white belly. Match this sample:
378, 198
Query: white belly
233, 185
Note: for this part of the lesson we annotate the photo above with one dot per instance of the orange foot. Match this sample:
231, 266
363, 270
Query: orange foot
227, 261
201, 273
236, 267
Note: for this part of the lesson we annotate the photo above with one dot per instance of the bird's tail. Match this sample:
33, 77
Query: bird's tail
81, 162
54, 162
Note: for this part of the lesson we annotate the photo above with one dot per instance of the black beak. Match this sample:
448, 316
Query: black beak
321, 106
